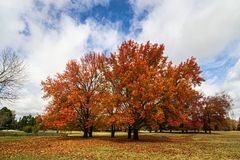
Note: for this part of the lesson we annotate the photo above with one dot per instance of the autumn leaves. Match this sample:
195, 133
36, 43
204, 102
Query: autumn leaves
133, 88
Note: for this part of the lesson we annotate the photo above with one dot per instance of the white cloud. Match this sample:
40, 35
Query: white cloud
209, 87
231, 85
104, 37
234, 74
87, 4
11, 22
203, 29
47, 50
190, 28
80, 5
51, 49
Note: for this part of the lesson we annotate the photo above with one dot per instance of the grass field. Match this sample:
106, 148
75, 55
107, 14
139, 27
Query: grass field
218, 145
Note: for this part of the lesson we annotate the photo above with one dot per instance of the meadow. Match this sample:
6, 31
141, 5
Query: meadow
218, 145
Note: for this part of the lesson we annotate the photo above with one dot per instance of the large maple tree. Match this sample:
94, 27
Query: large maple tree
179, 93
134, 74
150, 88
133, 87
74, 94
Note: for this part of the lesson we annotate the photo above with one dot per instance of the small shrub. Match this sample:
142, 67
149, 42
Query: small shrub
35, 129
27, 129
30, 129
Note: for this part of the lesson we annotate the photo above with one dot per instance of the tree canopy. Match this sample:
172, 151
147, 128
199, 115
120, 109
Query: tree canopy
135, 87
12, 75
6, 118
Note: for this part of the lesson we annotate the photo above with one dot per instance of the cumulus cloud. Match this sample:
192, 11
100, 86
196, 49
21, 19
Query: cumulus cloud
11, 22
232, 84
189, 28
204, 29
47, 42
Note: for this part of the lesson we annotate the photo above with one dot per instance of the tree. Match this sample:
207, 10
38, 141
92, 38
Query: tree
177, 92
195, 113
12, 75
28, 120
7, 118
230, 124
136, 86
111, 111
74, 95
133, 74
215, 110
148, 87
28, 124
238, 125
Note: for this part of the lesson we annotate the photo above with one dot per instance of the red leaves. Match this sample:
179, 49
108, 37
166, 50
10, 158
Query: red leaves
134, 73
215, 110
74, 93
136, 85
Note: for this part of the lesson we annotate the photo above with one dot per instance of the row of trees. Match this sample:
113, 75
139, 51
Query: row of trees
25, 123
12, 75
135, 87
28, 124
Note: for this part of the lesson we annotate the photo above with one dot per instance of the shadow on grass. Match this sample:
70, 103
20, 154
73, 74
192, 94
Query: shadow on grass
186, 133
143, 137
124, 139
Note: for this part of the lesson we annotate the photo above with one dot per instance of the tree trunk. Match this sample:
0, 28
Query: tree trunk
209, 125
156, 130
135, 134
160, 128
85, 133
90, 131
129, 132
86, 129
113, 131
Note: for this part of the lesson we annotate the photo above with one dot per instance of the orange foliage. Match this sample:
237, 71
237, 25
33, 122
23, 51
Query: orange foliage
135, 86
215, 110
74, 94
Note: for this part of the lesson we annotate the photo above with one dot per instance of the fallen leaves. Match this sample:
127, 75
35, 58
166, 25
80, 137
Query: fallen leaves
151, 146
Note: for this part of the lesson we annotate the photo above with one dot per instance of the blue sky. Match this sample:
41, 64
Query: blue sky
47, 33
118, 11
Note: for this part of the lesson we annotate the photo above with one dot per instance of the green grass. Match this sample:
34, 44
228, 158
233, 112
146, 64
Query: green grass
12, 133
218, 145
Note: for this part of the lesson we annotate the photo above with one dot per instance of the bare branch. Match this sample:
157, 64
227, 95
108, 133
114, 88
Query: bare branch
12, 75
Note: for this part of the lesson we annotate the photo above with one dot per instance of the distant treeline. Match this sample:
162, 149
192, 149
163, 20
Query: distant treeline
29, 124
8, 121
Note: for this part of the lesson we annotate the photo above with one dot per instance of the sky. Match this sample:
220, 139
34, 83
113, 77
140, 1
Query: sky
46, 34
